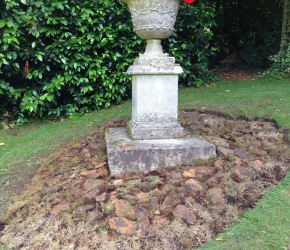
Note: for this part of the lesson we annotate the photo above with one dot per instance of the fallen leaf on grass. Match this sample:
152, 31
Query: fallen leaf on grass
230, 234
2, 144
91, 122
220, 239
62, 120
278, 110
228, 90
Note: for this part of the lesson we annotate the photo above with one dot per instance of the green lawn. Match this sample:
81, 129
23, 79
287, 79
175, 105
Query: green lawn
264, 227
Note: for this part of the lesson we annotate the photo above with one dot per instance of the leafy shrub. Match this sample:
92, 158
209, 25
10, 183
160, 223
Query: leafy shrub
280, 68
65, 57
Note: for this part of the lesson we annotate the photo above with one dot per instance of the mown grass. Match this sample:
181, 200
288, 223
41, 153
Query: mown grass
264, 227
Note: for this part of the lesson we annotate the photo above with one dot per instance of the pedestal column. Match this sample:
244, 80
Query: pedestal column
154, 95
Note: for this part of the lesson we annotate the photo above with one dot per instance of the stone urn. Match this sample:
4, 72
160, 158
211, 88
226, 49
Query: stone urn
153, 20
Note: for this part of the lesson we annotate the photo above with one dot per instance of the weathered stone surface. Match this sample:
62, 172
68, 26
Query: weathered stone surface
242, 173
49, 190
194, 185
184, 213
123, 225
220, 142
238, 161
143, 197
213, 123
243, 154
196, 126
219, 164
214, 180
175, 175
90, 167
93, 194
98, 165
154, 203
126, 155
65, 205
83, 209
146, 186
215, 195
198, 171
257, 165
92, 217
94, 146
181, 191
101, 198
139, 214
192, 115
129, 197
162, 22
224, 151
124, 209
91, 184
55, 180
160, 221
169, 204
158, 118
95, 173
144, 223
117, 183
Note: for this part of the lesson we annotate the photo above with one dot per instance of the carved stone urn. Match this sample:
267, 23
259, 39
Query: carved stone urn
153, 21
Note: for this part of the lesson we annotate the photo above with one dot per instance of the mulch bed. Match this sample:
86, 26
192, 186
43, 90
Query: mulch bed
235, 74
73, 202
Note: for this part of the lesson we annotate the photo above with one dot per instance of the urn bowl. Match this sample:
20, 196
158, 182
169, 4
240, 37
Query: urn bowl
153, 19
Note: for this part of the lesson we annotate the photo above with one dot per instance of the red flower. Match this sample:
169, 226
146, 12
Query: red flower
188, 1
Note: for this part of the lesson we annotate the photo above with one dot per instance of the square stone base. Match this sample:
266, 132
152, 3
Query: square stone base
126, 155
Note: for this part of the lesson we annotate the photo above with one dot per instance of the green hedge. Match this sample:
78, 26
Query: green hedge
65, 58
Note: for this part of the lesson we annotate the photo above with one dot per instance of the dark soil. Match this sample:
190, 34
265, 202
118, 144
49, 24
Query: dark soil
235, 74
72, 201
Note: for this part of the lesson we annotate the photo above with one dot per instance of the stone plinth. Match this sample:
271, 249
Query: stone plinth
127, 155
154, 95
154, 108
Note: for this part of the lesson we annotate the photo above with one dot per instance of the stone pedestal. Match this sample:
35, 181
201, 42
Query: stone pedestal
154, 95
153, 137
155, 107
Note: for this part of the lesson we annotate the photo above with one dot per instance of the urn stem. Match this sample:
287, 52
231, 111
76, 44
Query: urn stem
154, 48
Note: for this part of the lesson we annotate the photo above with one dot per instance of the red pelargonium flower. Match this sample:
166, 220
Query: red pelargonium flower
188, 1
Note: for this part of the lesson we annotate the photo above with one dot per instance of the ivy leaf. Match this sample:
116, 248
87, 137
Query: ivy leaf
33, 45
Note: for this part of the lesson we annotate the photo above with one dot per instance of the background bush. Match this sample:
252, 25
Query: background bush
68, 57
280, 68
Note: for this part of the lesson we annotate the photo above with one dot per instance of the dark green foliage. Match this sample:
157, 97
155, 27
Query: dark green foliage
62, 58
280, 68
250, 28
